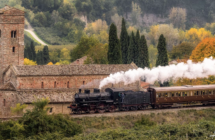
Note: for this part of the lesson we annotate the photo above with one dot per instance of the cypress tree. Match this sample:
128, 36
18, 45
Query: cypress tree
162, 59
45, 54
143, 59
26, 51
33, 53
124, 42
131, 48
136, 49
39, 58
114, 49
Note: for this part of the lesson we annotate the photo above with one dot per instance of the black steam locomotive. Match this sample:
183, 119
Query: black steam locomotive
113, 99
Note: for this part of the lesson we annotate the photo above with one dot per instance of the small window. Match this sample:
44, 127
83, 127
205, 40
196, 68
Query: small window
4, 102
13, 50
11, 34
83, 82
55, 84
68, 84
42, 85
14, 34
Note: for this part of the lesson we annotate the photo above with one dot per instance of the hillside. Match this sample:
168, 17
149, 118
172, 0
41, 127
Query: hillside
63, 21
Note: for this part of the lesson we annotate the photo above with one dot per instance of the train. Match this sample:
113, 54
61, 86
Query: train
118, 99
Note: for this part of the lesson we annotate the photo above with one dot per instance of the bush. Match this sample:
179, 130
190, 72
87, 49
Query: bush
145, 121
36, 124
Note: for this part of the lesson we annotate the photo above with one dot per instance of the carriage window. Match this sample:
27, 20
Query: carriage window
83, 82
173, 94
197, 92
203, 92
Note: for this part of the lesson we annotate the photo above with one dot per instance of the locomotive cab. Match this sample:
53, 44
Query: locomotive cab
115, 93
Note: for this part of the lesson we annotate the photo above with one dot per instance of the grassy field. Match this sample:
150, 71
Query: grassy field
55, 47
184, 125
50, 36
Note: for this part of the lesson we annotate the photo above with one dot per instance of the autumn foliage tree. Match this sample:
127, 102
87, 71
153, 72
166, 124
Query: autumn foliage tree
197, 35
204, 50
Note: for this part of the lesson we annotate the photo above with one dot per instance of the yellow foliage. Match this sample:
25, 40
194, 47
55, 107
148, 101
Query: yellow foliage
196, 35
29, 62
96, 27
50, 63
204, 50
130, 29
57, 63
64, 54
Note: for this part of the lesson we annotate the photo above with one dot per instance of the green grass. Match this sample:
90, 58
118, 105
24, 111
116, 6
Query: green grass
31, 37
50, 36
56, 47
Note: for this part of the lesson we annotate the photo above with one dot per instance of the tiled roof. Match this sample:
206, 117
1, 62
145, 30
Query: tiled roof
57, 70
5, 9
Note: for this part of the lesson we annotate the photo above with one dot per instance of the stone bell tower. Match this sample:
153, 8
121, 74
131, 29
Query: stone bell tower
11, 38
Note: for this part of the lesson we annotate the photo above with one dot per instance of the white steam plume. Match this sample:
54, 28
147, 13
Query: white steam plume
190, 70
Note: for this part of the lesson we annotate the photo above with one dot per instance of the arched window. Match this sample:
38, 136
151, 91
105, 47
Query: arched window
42, 85
13, 34
4, 102
55, 84
68, 84
13, 50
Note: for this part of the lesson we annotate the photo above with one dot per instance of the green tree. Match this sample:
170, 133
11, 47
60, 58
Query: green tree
33, 53
136, 49
83, 46
162, 59
124, 42
182, 51
67, 11
39, 58
114, 49
143, 59
46, 58
131, 48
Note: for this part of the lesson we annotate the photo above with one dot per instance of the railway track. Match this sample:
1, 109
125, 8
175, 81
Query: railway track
126, 113
142, 112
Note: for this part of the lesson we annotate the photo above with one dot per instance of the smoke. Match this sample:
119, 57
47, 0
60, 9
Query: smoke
181, 70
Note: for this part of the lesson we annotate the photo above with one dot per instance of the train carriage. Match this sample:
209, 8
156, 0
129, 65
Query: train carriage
167, 96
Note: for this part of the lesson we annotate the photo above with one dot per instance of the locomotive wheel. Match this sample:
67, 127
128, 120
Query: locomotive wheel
79, 111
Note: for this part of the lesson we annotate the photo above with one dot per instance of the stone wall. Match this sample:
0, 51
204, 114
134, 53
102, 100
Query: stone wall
8, 99
67, 82
11, 48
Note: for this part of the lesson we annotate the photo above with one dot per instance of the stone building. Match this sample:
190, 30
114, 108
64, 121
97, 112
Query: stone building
11, 37
23, 84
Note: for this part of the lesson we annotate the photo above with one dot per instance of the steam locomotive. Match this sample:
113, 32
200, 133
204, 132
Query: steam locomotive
111, 100
117, 99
